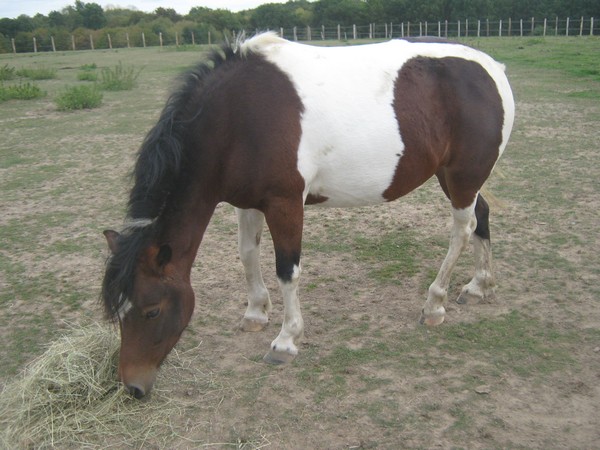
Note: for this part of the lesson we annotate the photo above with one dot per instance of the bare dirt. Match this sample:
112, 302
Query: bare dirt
368, 376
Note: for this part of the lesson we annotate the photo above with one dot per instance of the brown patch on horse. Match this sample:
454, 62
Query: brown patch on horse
259, 155
450, 116
315, 199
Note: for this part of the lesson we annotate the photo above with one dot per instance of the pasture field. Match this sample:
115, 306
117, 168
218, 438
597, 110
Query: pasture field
521, 372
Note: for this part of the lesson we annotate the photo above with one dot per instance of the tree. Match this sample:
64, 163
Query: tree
169, 13
92, 14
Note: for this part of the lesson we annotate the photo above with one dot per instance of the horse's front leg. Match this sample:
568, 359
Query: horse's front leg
285, 219
250, 228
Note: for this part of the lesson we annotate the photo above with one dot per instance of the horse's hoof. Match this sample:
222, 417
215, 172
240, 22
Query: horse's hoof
253, 325
431, 320
278, 358
469, 298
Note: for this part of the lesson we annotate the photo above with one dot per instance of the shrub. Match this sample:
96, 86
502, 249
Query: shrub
39, 73
79, 97
7, 73
21, 91
87, 76
119, 78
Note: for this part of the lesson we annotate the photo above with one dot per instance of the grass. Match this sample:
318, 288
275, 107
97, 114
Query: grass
37, 73
7, 72
367, 375
21, 91
119, 78
79, 97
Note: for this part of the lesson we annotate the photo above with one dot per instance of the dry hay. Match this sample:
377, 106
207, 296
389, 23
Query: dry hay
69, 398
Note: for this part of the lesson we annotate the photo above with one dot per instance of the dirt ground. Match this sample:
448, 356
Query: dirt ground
520, 372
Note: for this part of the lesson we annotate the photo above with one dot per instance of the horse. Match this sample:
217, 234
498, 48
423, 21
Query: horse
269, 126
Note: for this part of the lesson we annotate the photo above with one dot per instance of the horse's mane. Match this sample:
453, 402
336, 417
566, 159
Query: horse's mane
158, 167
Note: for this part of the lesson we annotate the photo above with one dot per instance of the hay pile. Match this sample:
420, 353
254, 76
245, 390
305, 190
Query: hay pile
69, 398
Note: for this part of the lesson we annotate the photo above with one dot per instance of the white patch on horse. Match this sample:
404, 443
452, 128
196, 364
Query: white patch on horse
124, 308
292, 328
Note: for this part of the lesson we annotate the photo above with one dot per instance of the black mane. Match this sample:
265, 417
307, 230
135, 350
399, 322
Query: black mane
156, 172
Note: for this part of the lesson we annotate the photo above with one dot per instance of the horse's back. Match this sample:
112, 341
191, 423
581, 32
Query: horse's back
378, 119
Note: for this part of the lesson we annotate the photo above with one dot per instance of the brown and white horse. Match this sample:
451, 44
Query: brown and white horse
269, 126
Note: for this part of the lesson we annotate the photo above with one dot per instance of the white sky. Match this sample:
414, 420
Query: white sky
14, 8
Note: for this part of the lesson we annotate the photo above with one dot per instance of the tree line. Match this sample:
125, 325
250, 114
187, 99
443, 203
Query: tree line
77, 22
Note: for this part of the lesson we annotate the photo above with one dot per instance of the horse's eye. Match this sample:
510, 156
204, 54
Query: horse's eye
153, 314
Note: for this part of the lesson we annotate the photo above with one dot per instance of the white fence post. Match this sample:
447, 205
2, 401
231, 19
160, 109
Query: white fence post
521, 27
500, 28
91, 42
34, 45
73, 42
109, 41
53, 46
545, 23
591, 26
12, 41
339, 31
127, 39
567, 28
478, 28
439, 29
459, 28
581, 27
532, 25
160, 41
144, 39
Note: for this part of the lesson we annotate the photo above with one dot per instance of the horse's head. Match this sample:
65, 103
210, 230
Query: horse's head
153, 309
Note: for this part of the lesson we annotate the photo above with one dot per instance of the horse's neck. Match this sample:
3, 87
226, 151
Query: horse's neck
184, 232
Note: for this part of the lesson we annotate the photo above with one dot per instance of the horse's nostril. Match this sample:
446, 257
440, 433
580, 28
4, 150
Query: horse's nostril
136, 391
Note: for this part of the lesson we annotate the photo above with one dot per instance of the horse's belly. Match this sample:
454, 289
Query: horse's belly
354, 171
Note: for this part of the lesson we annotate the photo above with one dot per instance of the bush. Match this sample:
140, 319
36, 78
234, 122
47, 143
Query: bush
87, 76
7, 73
39, 73
119, 78
26, 91
79, 97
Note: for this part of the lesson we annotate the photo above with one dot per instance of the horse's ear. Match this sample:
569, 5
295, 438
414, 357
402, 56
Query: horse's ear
164, 255
112, 238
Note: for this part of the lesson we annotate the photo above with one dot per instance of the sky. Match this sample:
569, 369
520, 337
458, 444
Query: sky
14, 8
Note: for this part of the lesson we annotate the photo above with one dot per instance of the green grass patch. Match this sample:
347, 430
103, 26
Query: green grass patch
21, 91
7, 72
79, 97
37, 73
119, 78
87, 76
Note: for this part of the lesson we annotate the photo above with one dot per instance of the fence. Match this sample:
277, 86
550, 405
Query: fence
443, 29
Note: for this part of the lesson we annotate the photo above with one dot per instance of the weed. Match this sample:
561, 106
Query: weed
88, 67
119, 78
6, 72
38, 73
21, 91
79, 97
87, 76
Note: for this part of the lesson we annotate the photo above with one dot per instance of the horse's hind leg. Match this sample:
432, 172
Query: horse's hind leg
463, 225
481, 287
250, 228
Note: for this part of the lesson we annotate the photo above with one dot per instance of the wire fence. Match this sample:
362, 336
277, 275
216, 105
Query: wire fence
121, 38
